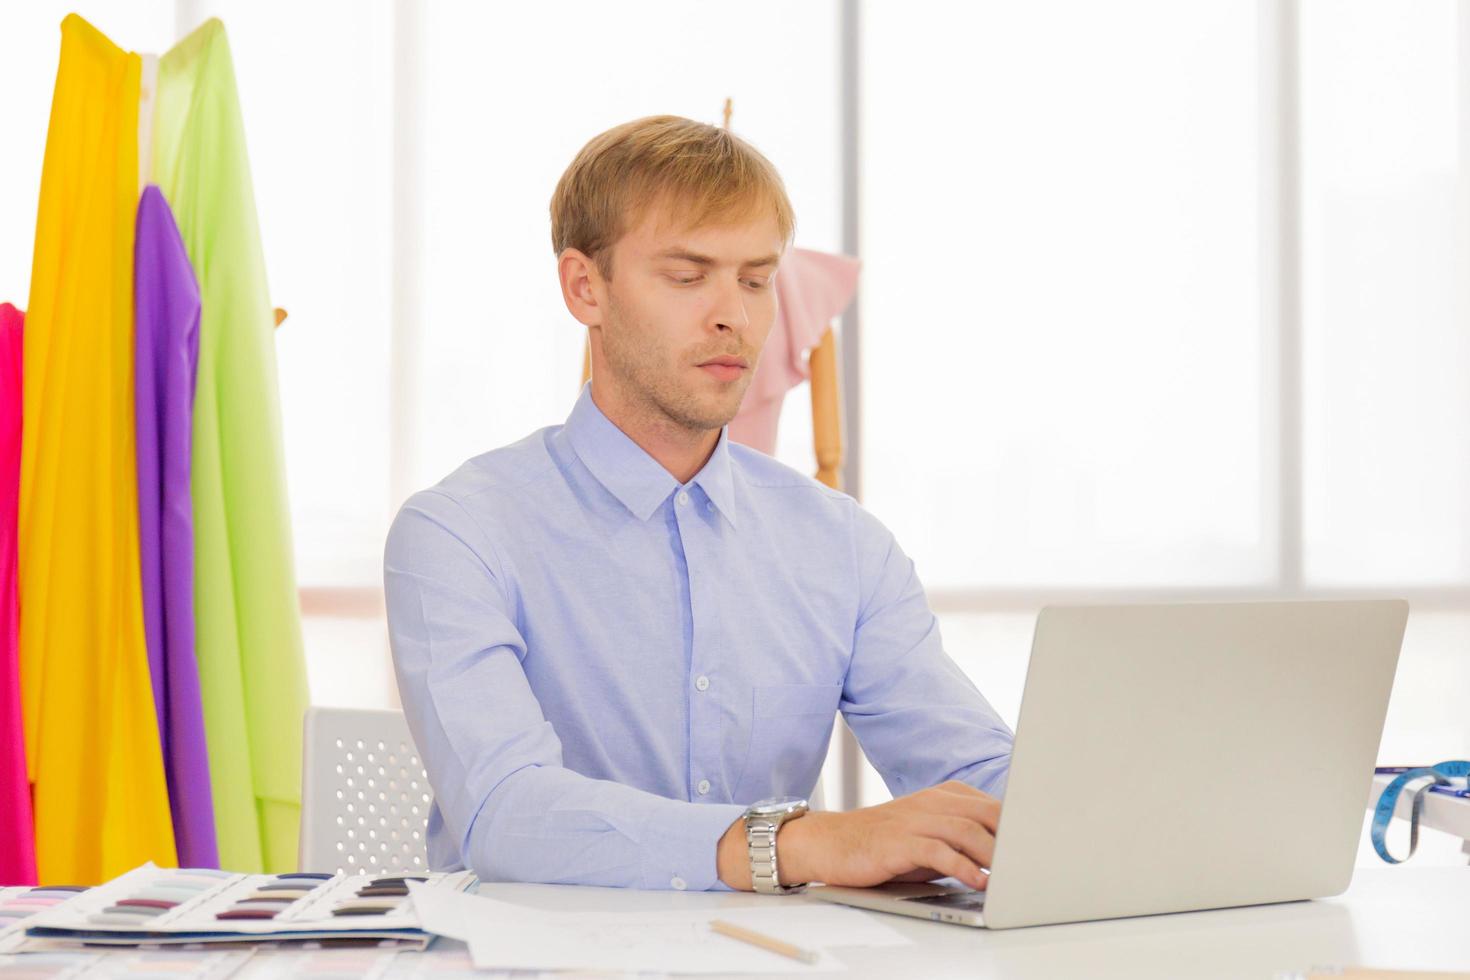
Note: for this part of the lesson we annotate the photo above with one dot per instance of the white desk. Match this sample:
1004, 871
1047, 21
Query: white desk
1404, 917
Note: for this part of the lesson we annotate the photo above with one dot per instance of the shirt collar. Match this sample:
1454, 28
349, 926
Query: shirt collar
638, 480
717, 479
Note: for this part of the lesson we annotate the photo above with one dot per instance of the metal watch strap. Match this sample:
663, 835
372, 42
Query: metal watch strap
760, 839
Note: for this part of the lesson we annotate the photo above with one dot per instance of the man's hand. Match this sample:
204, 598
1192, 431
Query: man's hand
948, 830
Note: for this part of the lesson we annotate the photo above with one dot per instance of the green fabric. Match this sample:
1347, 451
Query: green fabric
252, 673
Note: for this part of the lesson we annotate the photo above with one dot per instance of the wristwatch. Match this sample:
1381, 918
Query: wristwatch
762, 820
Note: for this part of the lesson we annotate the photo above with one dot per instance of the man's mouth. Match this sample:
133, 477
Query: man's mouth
726, 367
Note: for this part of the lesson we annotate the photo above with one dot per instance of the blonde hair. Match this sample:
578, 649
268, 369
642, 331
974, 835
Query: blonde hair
699, 172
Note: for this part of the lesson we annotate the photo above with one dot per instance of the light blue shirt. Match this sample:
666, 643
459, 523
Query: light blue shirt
602, 668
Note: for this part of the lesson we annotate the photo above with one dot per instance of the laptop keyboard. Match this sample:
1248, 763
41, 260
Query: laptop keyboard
968, 901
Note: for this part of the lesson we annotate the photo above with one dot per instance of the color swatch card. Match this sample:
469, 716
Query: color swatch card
19, 905
191, 905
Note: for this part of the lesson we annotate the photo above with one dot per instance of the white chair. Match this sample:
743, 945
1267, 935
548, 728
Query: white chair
364, 794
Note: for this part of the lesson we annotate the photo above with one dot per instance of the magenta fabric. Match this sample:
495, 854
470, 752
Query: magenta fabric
17, 827
812, 290
166, 315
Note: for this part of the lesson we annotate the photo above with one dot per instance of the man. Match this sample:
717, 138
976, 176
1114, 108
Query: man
615, 635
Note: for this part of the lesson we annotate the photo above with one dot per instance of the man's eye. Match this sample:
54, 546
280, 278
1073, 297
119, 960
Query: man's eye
691, 280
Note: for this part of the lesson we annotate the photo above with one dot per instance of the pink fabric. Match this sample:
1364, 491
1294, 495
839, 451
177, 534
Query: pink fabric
17, 832
812, 290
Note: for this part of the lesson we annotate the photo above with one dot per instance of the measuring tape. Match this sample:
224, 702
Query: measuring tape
1439, 776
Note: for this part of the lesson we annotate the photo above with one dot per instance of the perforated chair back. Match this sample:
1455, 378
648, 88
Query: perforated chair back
364, 795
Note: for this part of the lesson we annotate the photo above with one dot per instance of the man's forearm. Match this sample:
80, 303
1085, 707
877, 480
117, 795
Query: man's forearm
731, 861
551, 824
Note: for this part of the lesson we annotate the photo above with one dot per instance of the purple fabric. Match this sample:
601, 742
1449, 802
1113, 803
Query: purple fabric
166, 312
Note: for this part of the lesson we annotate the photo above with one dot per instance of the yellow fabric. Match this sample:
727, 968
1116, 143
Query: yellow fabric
101, 803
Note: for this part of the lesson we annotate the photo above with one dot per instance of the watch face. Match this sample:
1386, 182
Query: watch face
776, 804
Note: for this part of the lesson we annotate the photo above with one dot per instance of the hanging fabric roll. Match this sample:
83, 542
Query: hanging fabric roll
101, 803
812, 289
17, 830
166, 311
248, 628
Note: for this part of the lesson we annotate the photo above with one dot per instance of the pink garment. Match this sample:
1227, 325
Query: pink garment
17, 832
812, 290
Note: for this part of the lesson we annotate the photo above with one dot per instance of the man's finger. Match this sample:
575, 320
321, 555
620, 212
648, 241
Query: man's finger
918, 874
966, 836
932, 853
956, 788
975, 805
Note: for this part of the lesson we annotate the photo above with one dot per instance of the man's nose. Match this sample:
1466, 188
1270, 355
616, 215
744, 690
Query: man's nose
730, 312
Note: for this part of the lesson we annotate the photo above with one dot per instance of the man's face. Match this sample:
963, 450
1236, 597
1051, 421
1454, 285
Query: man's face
688, 311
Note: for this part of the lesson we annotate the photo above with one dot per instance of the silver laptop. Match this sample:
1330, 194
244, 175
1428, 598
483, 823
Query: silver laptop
1178, 757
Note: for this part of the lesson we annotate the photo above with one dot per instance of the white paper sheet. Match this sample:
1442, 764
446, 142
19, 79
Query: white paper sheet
633, 943
502, 935
816, 926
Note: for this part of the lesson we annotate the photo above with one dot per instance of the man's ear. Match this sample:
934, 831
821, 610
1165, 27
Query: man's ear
581, 286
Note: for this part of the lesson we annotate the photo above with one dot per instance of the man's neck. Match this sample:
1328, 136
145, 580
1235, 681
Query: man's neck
680, 450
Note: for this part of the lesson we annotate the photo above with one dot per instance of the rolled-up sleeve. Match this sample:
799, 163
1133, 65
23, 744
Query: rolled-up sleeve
494, 761
918, 717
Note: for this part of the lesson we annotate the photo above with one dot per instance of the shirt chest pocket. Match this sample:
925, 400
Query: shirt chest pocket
791, 726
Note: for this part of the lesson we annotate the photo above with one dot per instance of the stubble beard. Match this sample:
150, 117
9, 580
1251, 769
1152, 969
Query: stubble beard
645, 370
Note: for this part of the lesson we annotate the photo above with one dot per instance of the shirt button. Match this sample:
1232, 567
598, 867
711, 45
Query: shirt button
703, 786
701, 683
678, 883
683, 497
